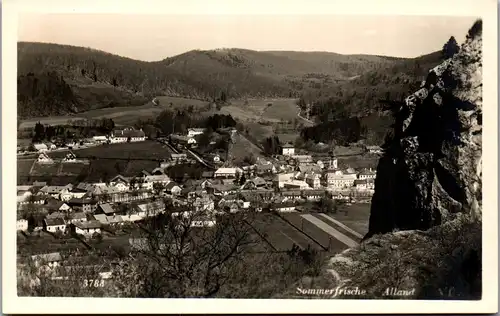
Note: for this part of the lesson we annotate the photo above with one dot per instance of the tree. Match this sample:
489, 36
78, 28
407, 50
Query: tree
180, 261
158, 188
450, 48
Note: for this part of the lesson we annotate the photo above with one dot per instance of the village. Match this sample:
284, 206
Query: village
288, 183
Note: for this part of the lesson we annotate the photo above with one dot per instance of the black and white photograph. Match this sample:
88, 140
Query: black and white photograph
295, 157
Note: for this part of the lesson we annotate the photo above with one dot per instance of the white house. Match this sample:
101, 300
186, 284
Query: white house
340, 181
284, 207
367, 174
365, 184
288, 150
79, 217
100, 138
54, 225
126, 135
227, 172
44, 158
87, 228
22, 224
40, 147
195, 131
172, 188
280, 179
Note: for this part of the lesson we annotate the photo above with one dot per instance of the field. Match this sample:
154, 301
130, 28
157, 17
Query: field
357, 216
138, 150
281, 110
125, 115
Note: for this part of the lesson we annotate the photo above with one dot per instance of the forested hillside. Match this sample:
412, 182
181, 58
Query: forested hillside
98, 79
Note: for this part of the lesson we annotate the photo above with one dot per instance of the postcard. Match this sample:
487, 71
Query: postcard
255, 157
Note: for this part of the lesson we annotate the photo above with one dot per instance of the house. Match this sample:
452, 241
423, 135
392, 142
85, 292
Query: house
54, 225
150, 180
364, 184
22, 224
340, 181
121, 183
333, 164
182, 140
101, 218
66, 195
50, 260
85, 205
56, 205
150, 209
295, 184
263, 169
44, 158
179, 158
40, 147
374, 149
78, 193
115, 219
87, 228
204, 204
70, 157
313, 180
302, 159
100, 138
280, 179
78, 217
203, 221
127, 135
340, 196
192, 132
172, 188
228, 172
283, 207
313, 195
288, 150
54, 190
105, 208
367, 174
291, 195
56, 215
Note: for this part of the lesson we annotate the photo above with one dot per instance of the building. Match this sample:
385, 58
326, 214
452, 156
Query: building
291, 195
295, 185
44, 158
105, 208
374, 149
127, 135
150, 209
70, 157
313, 195
364, 184
87, 228
288, 150
121, 183
40, 147
227, 172
100, 139
301, 159
78, 217
192, 132
367, 174
286, 206
54, 190
22, 224
280, 179
85, 205
50, 260
53, 225
57, 205
179, 158
172, 188
313, 180
340, 181
182, 140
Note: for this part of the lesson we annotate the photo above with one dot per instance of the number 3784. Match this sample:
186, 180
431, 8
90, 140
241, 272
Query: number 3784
93, 283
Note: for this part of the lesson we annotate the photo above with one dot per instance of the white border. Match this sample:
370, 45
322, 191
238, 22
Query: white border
485, 8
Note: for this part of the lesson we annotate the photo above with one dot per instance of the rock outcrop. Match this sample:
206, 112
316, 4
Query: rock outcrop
425, 226
431, 168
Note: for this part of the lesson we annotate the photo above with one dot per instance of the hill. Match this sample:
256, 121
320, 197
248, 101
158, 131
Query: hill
98, 79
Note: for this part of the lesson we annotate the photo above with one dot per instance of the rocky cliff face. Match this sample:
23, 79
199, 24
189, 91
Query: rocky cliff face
431, 169
425, 226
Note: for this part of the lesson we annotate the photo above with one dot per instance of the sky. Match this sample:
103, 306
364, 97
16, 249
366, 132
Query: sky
155, 37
